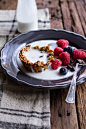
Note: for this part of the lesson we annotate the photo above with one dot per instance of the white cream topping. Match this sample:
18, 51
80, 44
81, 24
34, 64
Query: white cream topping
34, 55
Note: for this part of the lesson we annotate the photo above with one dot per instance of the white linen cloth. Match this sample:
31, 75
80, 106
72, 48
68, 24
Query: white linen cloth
22, 107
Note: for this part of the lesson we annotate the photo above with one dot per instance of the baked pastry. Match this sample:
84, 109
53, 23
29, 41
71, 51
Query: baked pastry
36, 59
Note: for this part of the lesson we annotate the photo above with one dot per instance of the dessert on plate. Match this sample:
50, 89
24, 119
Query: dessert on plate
36, 59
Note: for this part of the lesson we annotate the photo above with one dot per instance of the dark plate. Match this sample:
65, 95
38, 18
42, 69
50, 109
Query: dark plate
9, 60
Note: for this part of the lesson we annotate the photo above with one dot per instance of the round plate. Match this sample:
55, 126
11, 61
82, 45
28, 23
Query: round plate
10, 52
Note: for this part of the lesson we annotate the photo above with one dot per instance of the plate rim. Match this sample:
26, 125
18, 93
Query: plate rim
23, 82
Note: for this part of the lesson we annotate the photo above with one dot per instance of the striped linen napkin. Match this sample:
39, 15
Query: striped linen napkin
22, 107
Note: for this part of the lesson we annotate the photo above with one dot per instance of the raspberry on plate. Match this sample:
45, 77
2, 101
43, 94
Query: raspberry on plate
57, 51
62, 43
78, 54
65, 58
56, 63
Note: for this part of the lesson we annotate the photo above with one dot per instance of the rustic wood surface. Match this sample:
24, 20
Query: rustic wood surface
69, 15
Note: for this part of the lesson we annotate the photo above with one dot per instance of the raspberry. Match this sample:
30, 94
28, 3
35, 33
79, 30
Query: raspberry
62, 43
56, 63
65, 58
57, 51
78, 54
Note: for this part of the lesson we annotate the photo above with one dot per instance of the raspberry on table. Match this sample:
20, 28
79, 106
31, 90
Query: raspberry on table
56, 63
78, 54
65, 58
57, 51
62, 43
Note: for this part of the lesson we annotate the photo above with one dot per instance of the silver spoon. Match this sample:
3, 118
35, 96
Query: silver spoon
71, 93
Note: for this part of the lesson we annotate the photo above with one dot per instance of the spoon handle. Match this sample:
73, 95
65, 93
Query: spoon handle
71, 93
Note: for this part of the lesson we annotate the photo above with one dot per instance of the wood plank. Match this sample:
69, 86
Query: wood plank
82, 14
8, 4
56, 18
79, 22
67, 22
63, 115
55, 12
77, 27
81, 89
81, 105
46, 3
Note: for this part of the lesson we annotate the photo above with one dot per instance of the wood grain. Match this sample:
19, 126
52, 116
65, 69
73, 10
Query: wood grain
63, 115
8, 4
67, 21
79, 7
81, 105
77, 27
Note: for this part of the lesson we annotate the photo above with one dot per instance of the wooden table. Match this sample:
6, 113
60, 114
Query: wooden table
69, 15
